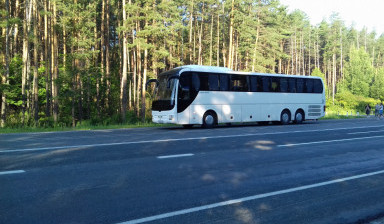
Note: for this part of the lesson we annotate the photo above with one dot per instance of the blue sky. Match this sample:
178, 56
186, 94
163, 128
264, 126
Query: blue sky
368, 13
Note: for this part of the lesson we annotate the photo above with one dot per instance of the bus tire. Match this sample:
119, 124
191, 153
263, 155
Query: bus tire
299, 117
285, 117
209, 119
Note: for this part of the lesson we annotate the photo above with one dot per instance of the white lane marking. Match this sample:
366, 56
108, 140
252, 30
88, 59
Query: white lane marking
180, 139
364, 132
337, 140
175, 156
12, 172
250, 198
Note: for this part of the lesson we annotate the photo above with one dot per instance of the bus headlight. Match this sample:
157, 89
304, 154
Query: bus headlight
170, 117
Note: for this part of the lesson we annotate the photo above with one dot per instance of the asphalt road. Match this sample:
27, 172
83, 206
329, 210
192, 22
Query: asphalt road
317, 172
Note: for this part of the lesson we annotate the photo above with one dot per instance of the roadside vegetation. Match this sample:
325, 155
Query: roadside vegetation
81, 64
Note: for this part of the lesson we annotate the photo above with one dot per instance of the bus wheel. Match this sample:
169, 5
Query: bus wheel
209, 120
299, 117
285, 117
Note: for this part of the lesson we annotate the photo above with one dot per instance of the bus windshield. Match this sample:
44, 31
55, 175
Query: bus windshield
165, 95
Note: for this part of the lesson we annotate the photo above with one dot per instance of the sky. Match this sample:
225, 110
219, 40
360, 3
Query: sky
361, 13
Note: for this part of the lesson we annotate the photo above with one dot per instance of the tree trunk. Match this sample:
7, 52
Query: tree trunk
333, 77
16, 29
143, 103
35, 98
55, 68
230, 55
341, 54
190, 32
200, 56
4, 78
218, 37
211, 42
107, 58
123, 86
47, 61
26, 59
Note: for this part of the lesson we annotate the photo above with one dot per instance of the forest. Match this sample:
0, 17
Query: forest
64, 62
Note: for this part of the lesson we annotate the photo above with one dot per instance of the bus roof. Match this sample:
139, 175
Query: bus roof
215, 69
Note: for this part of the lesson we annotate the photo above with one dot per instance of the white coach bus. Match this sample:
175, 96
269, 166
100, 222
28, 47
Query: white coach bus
205, 95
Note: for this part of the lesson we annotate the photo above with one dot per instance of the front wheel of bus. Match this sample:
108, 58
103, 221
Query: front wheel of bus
285, 117
209, 120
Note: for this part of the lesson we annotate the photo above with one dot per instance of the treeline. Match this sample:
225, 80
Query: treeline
66, 61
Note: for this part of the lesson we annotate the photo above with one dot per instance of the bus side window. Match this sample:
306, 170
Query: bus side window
195, 82
266, 84
318, 86
275, 85
309, 85
224, 82
283, 85
292, 85
185, 86
239, 83
300, 85
213, 82
185, 82
253, 85
204, 82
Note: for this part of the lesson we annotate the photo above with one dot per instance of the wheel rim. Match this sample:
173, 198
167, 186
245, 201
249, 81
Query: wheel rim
209, 119
285, 117
299, 117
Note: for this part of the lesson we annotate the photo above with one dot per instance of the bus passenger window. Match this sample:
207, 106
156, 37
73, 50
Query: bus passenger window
184, 81
266, 84
204, 83
224, 82
239, 83
275, 85
309, 85
254, 83
300, 85
283, 85
213, 82
318, 86
292, 85
195, 82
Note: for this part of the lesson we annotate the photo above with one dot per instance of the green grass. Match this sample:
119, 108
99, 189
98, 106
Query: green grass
87, 126
80, 128
338, 117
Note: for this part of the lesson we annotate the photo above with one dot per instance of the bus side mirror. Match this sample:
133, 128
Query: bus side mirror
169, 80
150, 81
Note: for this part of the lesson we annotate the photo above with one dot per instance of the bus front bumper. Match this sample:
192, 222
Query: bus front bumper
163, 118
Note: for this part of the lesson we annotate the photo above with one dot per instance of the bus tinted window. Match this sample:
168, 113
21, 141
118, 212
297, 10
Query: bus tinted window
185, 81
309, 85
213, 82
292, 85
239, 83
224, 82
253, 83
318, 86
300, 85
195, 82
275, 84
204, 84
283, 85
266, 83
